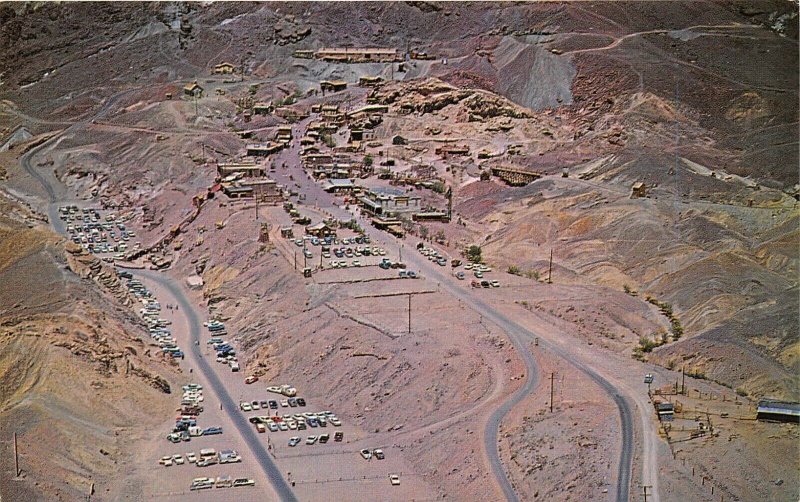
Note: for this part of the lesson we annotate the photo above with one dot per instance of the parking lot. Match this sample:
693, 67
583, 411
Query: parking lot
98, 231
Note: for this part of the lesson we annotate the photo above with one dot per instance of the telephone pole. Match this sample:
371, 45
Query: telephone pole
644, 491
16, 457
409, 313
683, 382
550, 270
552, 378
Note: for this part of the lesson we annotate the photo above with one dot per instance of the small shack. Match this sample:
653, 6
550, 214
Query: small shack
369, 81
332, 85
224, 69
638, 190
320, 230
194, 90
665, 410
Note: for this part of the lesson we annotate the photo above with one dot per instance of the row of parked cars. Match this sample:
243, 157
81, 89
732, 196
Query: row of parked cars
208, 456
433, 255
296, 421
272, 404
220, 482
226, 354
321, 439
151, 314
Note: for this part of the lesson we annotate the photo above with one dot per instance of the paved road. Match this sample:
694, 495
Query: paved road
519, 335
50, 184
279, 484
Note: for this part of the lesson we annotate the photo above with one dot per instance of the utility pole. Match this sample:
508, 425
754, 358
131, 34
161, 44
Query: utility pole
409, 313
256, 207
550, 270
16, 457
644, 491
552, 378
683, 382
203, 146
295, 260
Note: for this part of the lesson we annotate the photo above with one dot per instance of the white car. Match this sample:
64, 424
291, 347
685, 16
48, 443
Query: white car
311, 439
246, 407
191, 457
178, 459
165, 461
366, 454
394, 479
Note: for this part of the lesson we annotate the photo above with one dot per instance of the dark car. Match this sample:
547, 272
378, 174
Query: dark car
301, 401
254, 420
292, 402
273, 404
211, 431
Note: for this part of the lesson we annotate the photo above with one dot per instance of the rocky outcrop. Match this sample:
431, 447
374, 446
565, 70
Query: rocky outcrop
88, 266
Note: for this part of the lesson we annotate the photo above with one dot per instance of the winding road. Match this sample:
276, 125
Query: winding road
519, 336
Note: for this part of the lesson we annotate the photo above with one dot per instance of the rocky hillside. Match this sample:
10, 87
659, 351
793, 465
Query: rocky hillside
73, 370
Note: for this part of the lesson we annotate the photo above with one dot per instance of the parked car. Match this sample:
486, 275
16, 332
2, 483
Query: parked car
211, 431
311, 439
394, 479
324, 438
338, 436
294, 441
366, 454
243, 482
251, 379
378, 453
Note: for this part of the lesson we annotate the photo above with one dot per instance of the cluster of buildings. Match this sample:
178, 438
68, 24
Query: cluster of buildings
247, 180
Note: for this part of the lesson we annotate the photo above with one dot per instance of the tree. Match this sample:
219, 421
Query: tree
368, 160
474, 253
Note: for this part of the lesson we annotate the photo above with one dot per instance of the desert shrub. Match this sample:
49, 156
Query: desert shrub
474, 253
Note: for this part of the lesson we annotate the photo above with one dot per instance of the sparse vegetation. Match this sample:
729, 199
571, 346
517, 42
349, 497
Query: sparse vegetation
368, 160
666, 309
647, 345
474, 253
328, 140
514, 270
439, 187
